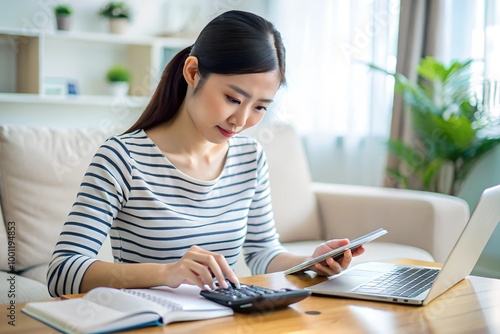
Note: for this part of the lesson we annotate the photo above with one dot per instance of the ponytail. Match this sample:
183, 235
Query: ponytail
168, 96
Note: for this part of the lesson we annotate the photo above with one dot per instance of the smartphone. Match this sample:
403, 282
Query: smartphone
338, 252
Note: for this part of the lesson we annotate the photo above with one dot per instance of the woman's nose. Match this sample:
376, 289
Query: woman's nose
239, 117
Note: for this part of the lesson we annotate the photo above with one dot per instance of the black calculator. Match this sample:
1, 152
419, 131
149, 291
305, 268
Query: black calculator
252, 298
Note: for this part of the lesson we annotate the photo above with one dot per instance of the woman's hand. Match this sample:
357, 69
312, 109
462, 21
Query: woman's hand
331, 267
199, 267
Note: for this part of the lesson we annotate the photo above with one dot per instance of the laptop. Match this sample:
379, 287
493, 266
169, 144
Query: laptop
418, 285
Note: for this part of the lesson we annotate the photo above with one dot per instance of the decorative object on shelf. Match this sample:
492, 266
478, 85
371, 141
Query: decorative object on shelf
63, 16
118, 77
58, 86
453, 124
73, 87
118, 14
55, 86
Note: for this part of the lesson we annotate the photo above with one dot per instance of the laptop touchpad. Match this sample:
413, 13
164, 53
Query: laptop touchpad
352, 278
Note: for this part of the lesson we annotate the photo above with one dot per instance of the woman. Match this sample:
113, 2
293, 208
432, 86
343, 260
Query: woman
181, 193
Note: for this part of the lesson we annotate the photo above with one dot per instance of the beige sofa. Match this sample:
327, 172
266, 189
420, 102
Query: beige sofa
41, 168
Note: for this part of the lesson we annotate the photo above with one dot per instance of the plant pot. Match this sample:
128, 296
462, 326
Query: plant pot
118, 25
63, 22
118, 89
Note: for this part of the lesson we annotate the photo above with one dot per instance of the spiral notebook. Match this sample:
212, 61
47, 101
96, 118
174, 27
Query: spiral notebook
109, 310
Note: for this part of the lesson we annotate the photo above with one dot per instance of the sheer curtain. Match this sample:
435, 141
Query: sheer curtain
340, 106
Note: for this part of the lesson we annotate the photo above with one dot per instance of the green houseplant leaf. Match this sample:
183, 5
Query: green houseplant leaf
63, 10
448, 123
118, 73
115, 9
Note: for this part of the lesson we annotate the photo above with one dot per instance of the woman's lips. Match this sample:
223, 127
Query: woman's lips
225, 133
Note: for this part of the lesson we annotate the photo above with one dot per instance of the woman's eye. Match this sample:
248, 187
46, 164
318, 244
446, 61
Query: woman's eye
232, 99
261, 108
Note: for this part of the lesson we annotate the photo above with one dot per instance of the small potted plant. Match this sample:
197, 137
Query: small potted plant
118, 14
63, 16
118, 78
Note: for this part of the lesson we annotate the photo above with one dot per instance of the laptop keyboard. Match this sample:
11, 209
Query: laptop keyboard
405, 282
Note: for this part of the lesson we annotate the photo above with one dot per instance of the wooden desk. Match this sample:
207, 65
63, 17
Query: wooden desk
472, 306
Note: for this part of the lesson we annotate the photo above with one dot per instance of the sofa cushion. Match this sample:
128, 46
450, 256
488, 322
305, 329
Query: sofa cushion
40, 172
294, 202
25, 289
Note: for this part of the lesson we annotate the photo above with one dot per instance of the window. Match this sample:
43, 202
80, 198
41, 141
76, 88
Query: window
340, 106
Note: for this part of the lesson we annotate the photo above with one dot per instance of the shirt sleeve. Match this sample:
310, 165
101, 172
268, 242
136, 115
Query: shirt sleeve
103, 191
262, 240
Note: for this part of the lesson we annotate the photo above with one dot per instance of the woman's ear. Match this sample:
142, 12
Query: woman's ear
190, 71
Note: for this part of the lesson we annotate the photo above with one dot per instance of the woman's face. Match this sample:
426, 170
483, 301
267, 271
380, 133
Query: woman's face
228, 104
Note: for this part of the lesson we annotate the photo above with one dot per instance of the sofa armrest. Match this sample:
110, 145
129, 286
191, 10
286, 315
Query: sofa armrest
430, 221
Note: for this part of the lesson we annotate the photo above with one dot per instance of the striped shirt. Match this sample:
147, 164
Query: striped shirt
153, 212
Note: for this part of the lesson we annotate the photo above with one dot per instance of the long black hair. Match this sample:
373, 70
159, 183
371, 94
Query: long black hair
235, 42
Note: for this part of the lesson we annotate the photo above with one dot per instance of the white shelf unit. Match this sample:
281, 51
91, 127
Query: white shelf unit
29, 60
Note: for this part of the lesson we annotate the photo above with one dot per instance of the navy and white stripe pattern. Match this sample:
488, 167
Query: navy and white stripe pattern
154, 213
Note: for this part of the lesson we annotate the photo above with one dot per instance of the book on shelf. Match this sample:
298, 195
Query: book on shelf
108, 309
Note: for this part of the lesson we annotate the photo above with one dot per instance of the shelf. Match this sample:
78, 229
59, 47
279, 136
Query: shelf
35, 59
87, 100
173, 42
20, 32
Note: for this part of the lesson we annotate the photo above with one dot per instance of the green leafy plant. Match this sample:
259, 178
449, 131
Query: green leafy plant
450, 123
115, 10
118, 73
63, 10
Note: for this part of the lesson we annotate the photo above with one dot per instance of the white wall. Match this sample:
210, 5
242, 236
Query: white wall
110, 118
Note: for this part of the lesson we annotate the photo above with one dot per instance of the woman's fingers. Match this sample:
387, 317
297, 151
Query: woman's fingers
194, 275
345, 260
206, 265
331, 267
358, 251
